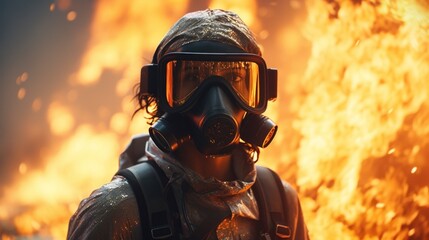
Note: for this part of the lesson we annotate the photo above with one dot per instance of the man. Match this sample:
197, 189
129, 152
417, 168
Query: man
205, 91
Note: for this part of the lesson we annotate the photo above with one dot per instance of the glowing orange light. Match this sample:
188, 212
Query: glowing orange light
119, 122
367, 74
21, 93
36, 105
380, 205
63, 4
264, 34
71, 16
43, 189
295, 4
60, 119
245, 9
22, 78
121, 32
391, 151
22, 168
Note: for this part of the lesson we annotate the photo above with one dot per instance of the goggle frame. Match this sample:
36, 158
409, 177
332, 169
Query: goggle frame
153, 80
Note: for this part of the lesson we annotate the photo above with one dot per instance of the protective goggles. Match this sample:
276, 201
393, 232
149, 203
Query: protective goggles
180, 78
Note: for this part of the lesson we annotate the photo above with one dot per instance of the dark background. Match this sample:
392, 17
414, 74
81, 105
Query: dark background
47, 47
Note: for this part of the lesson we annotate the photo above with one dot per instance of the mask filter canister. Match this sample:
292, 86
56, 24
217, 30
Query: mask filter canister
219, 131
169, 132
258, 130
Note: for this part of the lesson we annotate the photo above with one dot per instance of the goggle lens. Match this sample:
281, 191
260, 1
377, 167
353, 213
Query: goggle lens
184, 77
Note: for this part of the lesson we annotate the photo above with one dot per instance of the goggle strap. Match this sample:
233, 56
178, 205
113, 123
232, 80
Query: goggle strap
148, 79
271, 84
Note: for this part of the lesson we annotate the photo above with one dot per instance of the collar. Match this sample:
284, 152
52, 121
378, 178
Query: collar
237, 194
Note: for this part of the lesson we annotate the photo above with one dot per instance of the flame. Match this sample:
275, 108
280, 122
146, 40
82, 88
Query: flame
41, 203
60, 119
46, 198
364, 110
134, 31
355, 145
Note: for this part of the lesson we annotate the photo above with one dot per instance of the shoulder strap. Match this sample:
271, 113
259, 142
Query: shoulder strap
147, 182
271, 197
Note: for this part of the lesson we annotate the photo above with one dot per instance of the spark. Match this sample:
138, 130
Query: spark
36, 105
391, 151
21, 93
71, 16
22, 78
380, 205
22, 168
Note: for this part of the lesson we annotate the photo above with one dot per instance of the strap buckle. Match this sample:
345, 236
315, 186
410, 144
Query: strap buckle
161, 232
283, 231
265, 236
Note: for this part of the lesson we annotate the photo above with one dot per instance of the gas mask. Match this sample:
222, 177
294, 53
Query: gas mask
213, 99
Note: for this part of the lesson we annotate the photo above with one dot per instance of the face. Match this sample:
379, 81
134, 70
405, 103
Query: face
196, 72
216, 117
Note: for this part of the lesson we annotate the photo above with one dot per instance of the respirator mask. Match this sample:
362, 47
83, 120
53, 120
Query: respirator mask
212, 98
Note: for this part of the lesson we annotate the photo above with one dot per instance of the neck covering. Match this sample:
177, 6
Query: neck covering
199, 199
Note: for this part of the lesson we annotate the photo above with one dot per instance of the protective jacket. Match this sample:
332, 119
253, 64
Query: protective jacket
111, 212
